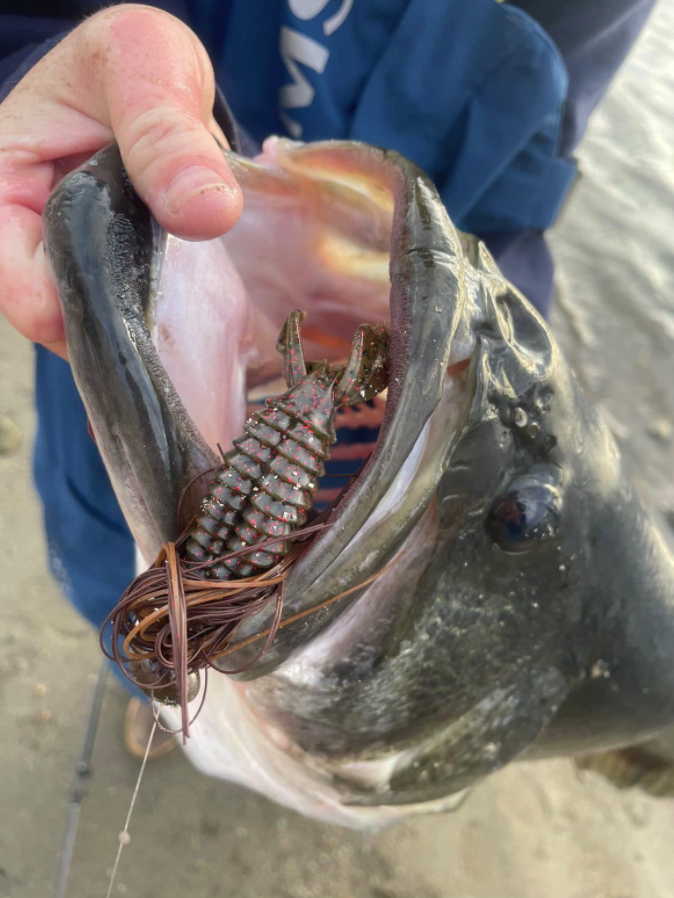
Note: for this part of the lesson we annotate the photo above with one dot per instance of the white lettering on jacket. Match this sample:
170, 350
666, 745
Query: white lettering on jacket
297, 50
307, 9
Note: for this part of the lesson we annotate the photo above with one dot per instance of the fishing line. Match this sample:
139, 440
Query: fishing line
124, 837
173, 619
306, 613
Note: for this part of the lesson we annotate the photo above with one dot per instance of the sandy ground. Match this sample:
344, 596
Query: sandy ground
532, 830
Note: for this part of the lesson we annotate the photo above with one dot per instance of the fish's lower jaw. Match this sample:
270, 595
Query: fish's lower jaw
363, 786
232, 741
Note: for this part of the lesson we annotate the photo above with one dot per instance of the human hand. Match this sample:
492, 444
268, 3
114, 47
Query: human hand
129, 73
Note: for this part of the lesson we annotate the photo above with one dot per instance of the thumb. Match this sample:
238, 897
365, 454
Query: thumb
159, 87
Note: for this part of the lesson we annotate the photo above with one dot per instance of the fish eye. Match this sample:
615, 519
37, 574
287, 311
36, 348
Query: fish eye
526, 515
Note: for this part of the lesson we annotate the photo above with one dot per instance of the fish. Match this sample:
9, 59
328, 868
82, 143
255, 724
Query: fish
506, 595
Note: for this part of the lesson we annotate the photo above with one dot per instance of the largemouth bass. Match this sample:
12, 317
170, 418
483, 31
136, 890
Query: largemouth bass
528, 601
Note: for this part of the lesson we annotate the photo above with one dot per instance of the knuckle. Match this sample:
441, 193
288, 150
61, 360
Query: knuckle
110, 33
155, 137
136, 49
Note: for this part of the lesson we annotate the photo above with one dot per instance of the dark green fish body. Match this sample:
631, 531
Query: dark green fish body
527, 605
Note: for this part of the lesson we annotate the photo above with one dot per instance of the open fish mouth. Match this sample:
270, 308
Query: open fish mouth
169, 342
184, 335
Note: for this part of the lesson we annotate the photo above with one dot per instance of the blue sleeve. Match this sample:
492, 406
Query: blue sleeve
21, 47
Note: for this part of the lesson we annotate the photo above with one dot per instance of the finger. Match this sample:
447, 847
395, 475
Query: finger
27, 294
35, 131
59, 115
159, 87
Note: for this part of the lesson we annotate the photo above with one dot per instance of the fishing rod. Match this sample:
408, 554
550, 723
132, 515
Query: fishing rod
78, 789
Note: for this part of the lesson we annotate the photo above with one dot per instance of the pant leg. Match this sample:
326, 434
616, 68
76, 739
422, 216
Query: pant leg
91, 551
593, 37
526, 261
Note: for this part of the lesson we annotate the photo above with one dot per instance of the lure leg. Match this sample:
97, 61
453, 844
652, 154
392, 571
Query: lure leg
290, 346
366, 371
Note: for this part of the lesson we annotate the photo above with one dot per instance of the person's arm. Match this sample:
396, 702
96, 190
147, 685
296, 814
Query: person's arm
129, 73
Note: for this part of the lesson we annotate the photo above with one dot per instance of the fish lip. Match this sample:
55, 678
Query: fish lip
94, 225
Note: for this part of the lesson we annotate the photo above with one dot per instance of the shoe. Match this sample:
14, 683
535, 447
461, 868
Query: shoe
633, 767
138, 723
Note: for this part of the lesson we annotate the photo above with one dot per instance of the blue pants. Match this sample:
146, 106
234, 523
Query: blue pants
91, 552
593, 37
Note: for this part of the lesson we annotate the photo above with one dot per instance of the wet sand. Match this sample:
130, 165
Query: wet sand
534, 829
